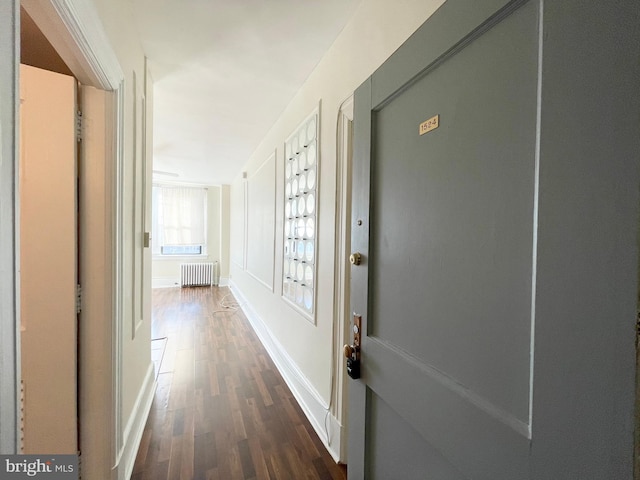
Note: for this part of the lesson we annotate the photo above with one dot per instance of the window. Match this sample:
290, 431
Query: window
300, 217
179, 220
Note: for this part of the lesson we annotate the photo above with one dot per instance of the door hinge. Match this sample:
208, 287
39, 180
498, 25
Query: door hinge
78, 298
78, 125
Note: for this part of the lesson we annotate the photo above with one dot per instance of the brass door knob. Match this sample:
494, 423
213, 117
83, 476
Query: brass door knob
348, 351
355, 258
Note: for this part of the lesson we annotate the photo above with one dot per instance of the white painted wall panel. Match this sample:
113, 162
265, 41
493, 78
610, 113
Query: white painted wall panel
261, 211
238, 223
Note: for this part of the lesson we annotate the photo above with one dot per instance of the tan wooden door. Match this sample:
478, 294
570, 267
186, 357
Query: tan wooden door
48, 260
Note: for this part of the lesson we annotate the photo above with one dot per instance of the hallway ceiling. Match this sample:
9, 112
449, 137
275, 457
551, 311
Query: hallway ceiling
224, 70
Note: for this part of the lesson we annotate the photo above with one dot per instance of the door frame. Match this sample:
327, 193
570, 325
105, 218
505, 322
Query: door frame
341, 319
74, 29
9, 247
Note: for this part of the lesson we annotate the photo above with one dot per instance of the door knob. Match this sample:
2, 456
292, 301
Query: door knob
349, 350
355, 258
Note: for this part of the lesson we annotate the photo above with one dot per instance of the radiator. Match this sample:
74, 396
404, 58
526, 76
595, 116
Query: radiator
198, 274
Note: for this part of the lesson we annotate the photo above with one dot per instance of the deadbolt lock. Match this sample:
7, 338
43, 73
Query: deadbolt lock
353, 368
355, 258
352, 352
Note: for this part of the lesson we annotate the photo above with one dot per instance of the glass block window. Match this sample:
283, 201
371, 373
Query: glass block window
300, 216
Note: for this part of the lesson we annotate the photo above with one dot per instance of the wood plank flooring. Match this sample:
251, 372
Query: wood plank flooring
221, 410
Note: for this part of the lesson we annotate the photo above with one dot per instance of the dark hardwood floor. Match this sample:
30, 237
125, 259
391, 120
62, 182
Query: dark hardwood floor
221, 410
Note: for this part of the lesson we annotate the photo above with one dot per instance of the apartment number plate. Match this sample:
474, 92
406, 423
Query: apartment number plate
430, 124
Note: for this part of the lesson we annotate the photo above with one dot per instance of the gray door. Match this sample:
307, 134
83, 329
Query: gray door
495, 197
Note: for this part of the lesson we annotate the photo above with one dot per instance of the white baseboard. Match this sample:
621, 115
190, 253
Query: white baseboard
165, 282
224, 282
312, 404
135, 426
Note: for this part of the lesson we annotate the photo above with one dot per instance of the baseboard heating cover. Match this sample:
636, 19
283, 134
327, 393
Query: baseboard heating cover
198, 274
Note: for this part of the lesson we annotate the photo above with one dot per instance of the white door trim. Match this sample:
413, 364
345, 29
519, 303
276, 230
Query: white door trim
339, 403
9, 246
74, 29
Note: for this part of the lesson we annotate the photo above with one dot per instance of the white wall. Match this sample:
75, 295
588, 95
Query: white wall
166, 271
136, 376
376, 30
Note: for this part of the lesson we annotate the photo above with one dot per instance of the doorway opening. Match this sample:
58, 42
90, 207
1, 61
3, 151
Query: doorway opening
58, 41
